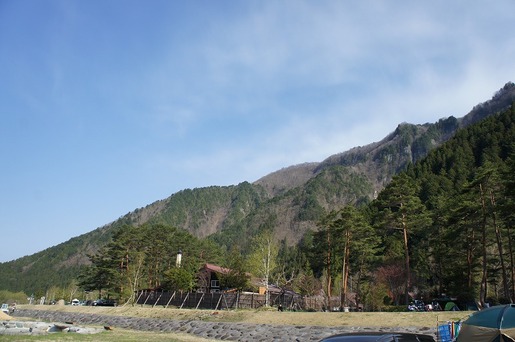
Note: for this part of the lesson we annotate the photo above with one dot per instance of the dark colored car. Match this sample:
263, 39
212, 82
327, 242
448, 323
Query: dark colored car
105, 302
379, 337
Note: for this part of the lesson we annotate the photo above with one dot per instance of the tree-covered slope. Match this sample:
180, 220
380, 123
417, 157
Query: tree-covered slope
57, 265
290, 201
292, 213
466, 185
202, 211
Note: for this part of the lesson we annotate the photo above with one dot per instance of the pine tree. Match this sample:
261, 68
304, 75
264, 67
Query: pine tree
400, 209
356, 243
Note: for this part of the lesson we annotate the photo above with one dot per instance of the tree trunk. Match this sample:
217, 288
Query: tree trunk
266, 266
328, 266
512, 265
484, 288
268, 271
407, 261
498, 236
345, 269
470, 257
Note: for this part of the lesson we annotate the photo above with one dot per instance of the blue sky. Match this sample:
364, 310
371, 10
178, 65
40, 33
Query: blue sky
107, 106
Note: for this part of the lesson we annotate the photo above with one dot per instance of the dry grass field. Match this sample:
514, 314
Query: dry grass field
269, 316
262, 316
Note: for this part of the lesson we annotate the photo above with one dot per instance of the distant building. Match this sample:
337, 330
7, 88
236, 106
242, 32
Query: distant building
207, 278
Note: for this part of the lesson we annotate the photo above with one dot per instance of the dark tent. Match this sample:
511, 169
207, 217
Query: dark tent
495, 324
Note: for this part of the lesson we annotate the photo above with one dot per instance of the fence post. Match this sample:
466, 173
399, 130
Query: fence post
137, 300
158, 298
173, 295
219, 299
200, 300
184, 301
146, 299
225, 300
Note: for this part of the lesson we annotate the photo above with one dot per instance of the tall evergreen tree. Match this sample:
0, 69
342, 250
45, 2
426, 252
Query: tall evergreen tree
325, 250
508, 214
356, 243
401, 210
142, 256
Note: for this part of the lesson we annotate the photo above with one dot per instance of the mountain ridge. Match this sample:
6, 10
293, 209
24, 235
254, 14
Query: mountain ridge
289, 200
499, 101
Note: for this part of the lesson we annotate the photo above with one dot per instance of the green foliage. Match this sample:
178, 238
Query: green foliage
462, 242
306, 283
53, 266
329, 188
145, 257
237, 277
375, 295
190, 208
263, 258
344, 246
9, 297
178, 279
291, 262
446, 221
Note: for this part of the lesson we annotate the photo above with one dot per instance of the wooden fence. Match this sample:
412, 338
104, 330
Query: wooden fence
230, 300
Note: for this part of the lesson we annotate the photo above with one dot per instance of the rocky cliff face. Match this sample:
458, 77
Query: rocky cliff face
379, 161
295, 197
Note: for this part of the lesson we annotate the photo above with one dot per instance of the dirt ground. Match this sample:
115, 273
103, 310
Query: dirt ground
4, 316
269, 316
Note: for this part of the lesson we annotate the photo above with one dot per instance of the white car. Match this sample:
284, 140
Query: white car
75, 302
5, 308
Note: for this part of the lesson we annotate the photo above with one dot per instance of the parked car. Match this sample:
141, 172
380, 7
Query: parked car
75, 302
5, 308
379, 337
105, 302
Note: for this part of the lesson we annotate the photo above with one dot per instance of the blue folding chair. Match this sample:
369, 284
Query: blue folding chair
444, 333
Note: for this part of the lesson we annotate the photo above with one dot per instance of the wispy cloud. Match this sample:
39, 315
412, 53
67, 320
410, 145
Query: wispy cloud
173, 95
384, 64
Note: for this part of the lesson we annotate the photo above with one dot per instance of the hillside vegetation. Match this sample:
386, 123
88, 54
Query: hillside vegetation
443, 225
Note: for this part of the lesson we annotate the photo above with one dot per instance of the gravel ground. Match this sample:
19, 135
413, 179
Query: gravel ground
210, 330
14, 327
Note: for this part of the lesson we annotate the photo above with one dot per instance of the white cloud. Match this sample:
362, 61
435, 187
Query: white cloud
403, 62
234, 93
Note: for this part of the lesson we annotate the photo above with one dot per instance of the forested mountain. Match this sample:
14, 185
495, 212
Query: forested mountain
293, 201
456, 209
